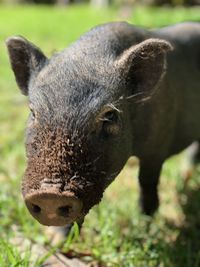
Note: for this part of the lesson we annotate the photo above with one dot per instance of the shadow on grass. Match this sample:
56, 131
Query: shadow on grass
185, 250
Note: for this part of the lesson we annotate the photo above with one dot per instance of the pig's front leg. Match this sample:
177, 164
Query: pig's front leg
148, 179
197, 155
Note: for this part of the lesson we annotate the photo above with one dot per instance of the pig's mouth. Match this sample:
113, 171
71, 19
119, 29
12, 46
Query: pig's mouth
53, 208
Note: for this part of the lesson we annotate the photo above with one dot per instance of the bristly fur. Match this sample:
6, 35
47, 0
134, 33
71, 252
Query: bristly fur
57, 158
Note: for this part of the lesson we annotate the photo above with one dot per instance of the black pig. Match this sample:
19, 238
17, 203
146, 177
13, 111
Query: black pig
113, 93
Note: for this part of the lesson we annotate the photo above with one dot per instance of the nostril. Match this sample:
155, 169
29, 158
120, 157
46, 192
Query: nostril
50, 207
64, 211
36, 208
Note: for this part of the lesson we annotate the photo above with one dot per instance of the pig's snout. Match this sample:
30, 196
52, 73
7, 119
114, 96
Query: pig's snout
52, 208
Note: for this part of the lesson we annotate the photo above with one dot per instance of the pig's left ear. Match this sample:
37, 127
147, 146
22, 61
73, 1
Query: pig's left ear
143, 66
26, 60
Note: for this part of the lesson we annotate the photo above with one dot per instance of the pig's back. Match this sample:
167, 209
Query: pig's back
181, 33
183, 75
185, 39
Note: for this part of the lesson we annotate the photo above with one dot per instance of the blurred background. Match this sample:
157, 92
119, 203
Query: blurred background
107, 3
114, 233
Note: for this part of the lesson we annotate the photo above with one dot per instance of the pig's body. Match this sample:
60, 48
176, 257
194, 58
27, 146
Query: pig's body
100, 101
183, 83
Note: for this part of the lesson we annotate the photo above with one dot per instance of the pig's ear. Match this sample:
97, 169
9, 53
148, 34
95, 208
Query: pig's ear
26, 59
143, 66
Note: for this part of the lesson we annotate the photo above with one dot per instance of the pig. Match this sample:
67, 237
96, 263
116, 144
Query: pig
118, 91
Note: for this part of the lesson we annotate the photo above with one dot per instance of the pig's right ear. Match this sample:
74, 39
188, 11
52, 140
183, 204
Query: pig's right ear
26, 59
143, 66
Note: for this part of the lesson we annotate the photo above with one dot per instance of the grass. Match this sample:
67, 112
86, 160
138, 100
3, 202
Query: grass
114, 233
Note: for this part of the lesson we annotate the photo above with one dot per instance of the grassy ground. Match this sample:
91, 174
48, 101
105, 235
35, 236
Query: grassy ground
114, 233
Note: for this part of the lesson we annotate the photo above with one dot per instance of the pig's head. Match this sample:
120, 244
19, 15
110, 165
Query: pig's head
79, 133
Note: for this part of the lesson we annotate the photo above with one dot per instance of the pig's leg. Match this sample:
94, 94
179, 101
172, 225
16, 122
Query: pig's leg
197, 155
192, 157
148, 180
189, 162
193, 153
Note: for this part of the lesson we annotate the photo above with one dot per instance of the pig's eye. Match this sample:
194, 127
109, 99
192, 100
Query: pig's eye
110, 116
33, 115
111, 123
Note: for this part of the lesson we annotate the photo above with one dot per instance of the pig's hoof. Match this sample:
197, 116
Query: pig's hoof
149, 203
